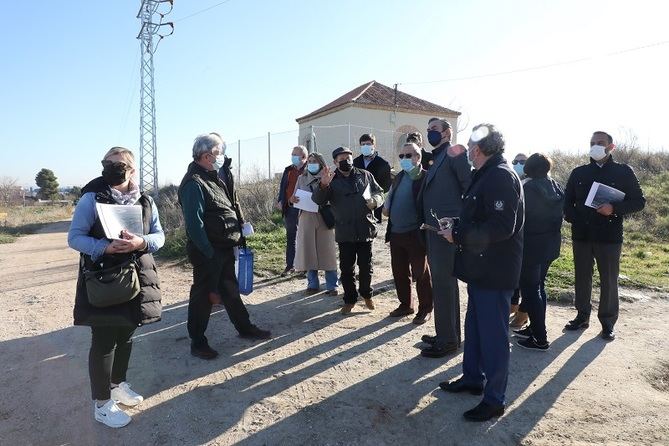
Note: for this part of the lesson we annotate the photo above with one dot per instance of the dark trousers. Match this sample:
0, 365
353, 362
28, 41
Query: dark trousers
407, 251
607, 256
486, 352
349, 254
532, 285
108, 358
215, 275
290, 218
445, 293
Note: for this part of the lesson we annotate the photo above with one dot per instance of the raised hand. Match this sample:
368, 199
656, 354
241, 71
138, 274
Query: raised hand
327, 176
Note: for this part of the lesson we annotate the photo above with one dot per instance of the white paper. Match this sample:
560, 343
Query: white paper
367, 193
601, 194
305, 203
116, 217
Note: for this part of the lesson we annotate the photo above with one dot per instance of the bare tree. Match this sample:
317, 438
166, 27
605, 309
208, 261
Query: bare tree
9, 190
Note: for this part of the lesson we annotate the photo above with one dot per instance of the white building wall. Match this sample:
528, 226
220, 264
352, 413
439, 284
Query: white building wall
344, 127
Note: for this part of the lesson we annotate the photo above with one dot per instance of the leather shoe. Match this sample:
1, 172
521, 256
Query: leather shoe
254, 332
369, 303
401, 311
459, 385
428, 339
439, 352
311, 291
577, 324
484, 412
421, 318
608, 335
203, 352
346, 309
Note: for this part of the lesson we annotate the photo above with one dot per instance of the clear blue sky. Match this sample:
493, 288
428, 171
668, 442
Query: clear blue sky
69, 83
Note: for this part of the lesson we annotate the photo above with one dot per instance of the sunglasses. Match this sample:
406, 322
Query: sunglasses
405, 155
120, 164
521, 162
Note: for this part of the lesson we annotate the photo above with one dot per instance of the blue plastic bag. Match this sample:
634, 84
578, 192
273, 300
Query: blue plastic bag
245, 271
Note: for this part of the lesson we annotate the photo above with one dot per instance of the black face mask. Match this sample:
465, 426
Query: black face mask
345, 165
114, 174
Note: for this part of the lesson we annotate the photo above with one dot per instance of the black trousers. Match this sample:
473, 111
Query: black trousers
607, 256
108, 358
290, 220
216, 275
349, 253
533, 288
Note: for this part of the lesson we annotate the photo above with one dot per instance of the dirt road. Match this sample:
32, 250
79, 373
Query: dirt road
323, 379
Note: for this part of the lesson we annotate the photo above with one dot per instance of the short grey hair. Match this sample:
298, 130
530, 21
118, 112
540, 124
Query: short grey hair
205, 143
413, 146
304, 150
488, 138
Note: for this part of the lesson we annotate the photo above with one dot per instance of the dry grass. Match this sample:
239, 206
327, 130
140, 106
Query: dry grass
20, 220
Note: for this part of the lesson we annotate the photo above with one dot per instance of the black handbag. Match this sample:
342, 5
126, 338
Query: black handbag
328, 216
112, 286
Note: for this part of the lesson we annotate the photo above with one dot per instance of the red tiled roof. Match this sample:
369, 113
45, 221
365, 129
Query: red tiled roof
379, 95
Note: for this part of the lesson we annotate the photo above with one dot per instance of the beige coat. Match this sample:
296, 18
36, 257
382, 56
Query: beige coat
315, 245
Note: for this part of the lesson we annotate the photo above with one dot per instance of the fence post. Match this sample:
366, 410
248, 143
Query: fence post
239, 160
349, 135
269, 157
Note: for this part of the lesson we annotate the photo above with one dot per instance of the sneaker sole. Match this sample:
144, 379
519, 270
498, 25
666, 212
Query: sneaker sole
520, 336
534, 348
132, 404
113, 426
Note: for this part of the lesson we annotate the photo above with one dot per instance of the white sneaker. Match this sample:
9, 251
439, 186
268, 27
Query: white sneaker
125, 395
111, 415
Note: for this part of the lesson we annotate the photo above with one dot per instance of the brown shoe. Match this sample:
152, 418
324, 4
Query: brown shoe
346, 309
369, 303
518, 320
421, 318
311, 291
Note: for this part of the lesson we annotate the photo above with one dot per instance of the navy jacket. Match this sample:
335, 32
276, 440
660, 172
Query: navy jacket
377, 167
489, 233
544, 200
586, 223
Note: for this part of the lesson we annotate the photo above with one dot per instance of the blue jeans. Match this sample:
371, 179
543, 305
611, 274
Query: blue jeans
486, 355
330, 279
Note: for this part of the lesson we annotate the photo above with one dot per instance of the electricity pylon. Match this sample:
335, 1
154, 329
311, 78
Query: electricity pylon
150, 35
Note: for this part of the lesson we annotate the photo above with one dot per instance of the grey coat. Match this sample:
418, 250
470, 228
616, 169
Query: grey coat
354, 221
447, 180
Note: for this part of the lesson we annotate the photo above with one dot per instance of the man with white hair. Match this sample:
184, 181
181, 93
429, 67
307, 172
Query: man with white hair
214, 223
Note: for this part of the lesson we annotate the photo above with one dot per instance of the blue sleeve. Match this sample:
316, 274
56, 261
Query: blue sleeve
192, 205
155, 239
82, 221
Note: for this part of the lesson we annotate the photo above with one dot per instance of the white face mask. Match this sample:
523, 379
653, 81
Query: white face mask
597, 153
220, 159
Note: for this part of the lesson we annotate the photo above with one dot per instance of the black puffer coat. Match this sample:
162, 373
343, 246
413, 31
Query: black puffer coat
143, 309
544, 200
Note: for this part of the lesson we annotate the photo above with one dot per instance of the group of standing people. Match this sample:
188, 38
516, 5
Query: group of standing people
455, 213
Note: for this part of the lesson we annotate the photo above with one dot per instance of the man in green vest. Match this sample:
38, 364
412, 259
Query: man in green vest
214, 224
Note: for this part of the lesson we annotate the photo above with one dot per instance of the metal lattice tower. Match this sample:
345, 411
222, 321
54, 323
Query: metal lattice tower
149, 37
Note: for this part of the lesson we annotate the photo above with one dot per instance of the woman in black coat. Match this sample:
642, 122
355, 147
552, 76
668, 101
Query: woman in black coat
544, 199
112, 326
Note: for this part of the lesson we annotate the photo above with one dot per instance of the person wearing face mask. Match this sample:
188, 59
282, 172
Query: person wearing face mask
441, 196
597, 234
112, 327
214, 226
290, 214
488, 237
407, 245
425, 156
371, 161
353, 194
315, 246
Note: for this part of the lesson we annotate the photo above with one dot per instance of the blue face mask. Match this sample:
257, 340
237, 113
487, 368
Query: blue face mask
367, 150
296, 160
434, 137
313, 168
406, 164
520, 169
220, 159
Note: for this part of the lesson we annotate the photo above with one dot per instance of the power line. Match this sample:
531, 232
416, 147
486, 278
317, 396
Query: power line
201, 11
540, 67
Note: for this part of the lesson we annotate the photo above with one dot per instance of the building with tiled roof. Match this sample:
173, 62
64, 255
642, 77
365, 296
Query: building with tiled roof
372, 107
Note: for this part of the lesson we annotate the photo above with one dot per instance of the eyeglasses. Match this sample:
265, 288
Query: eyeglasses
120, 164
521, 162
405, 155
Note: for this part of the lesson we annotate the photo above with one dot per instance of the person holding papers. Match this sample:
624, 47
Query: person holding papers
353, 194
597, 232
315, 247
112, 327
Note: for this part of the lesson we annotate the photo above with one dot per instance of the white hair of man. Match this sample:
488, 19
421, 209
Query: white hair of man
206, 143
303, 149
